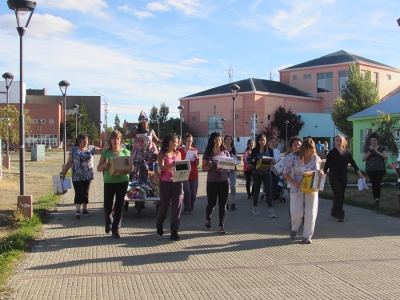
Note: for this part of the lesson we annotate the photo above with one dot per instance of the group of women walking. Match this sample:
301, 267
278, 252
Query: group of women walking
301, 157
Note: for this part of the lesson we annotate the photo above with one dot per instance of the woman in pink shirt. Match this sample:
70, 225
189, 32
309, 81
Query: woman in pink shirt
170, 192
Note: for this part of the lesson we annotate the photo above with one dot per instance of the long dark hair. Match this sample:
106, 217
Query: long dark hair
259, 137
165, 142
232, 141
80, 138
248, 144
210, 144
291, 142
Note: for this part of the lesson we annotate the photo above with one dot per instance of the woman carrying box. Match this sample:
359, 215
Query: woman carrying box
229, 144
217, 179
170, 192
247, 168
262, 176
113, 185
302, 204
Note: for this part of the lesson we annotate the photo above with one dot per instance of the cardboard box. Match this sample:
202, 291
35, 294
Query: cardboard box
278, 168
181, 171
312, 182
121, 165
58, 185
264, 164
226, 163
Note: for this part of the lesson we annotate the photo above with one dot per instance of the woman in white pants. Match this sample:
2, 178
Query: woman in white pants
301, 203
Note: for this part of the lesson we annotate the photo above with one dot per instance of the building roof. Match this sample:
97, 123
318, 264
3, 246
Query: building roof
389, 106
336, 58
254, 85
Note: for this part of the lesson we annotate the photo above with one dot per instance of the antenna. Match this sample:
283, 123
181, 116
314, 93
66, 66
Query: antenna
230, 74
270, 71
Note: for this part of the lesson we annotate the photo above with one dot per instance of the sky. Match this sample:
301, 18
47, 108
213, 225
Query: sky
142, 53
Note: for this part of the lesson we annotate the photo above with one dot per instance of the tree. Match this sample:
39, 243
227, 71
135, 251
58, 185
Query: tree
358, 94
9, 123
173, 126
153, 115
385, 127
163, 112
272, 131
117, 125
279, 125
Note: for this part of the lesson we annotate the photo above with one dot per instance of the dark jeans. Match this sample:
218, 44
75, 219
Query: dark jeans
258, 179
216, 190
170, 192
338, 181
247, 175
81, 191
119, 190
190, 193
274, 184
376, 178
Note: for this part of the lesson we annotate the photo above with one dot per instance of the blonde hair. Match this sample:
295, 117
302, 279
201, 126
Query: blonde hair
305, 145
344, 141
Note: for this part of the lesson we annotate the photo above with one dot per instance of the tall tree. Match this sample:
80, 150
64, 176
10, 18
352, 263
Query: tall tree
153, 115
9, 123
117, 125
84, 123
173, 126
357, 94
163, 112
293, 127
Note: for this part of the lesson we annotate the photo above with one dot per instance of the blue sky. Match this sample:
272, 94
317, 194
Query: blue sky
140, 53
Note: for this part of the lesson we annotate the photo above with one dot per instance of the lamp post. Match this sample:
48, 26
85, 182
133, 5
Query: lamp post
234, 91
222, 123
158, 125
40, 130
76, 110
180, 108
63, 84
286, 123
21, 7
9, 79
398, 21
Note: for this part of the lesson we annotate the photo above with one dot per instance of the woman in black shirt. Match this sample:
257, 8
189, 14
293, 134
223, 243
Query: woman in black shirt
336, 161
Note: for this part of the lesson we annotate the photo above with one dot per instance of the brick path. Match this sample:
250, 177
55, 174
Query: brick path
75, 259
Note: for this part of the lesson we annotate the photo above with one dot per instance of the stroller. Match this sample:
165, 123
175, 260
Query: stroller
280, 191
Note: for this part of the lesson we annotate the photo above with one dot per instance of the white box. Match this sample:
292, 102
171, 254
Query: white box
226, 163
181, 171
58, 185
278, 167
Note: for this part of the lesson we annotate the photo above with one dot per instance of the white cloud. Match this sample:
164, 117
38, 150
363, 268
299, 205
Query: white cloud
188, 7
196, 61
255, 5
157, 6
140, 14
41, 26
94, 7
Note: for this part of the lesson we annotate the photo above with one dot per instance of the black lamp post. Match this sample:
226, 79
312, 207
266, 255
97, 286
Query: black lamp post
286, 123
21, 7
9, 79
158, 125
234, 91
63, 84
76, 110
222, 123
180, 108
398, 21
40, 130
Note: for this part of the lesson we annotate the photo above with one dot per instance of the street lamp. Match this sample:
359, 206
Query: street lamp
158, 125
398, 21
40, 130
63, 84
234, 91
222, 123
9, 79
76, 110
286, 123
21, 7
180, 108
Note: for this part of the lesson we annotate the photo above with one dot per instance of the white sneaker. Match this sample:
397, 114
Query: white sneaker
255, 211
272, 214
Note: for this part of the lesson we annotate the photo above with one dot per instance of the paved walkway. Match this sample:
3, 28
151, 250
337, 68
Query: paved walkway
75, 259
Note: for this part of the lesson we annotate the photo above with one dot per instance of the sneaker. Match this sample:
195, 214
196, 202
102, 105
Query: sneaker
190, 211
340, 219
249, 197
293, 234
108, 228
160, 230
272, 214
208, 224
185, 211
227, 206
377, 202
86, 213
233, 206
306, 241
78, 214
221, 230
116, 235
174, 236
255, 211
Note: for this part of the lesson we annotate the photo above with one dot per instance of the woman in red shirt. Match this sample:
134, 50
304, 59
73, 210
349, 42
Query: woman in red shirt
190, 186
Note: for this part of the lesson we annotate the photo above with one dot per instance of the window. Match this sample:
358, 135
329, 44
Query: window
35, 121
306, 76
51, 121
376, 79
214, 124
365, 72
193, 119
325, 82
237, 117
43, 121
294, 77
269, 117
343, 75
388, 77
254, 126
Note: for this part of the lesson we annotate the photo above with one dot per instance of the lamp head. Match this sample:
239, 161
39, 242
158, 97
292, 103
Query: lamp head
158, 117
286, 122
398, 21
223, 121
180, 108
76, 107
63, 84
234, 90
9, 77
40, 122
22, 7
